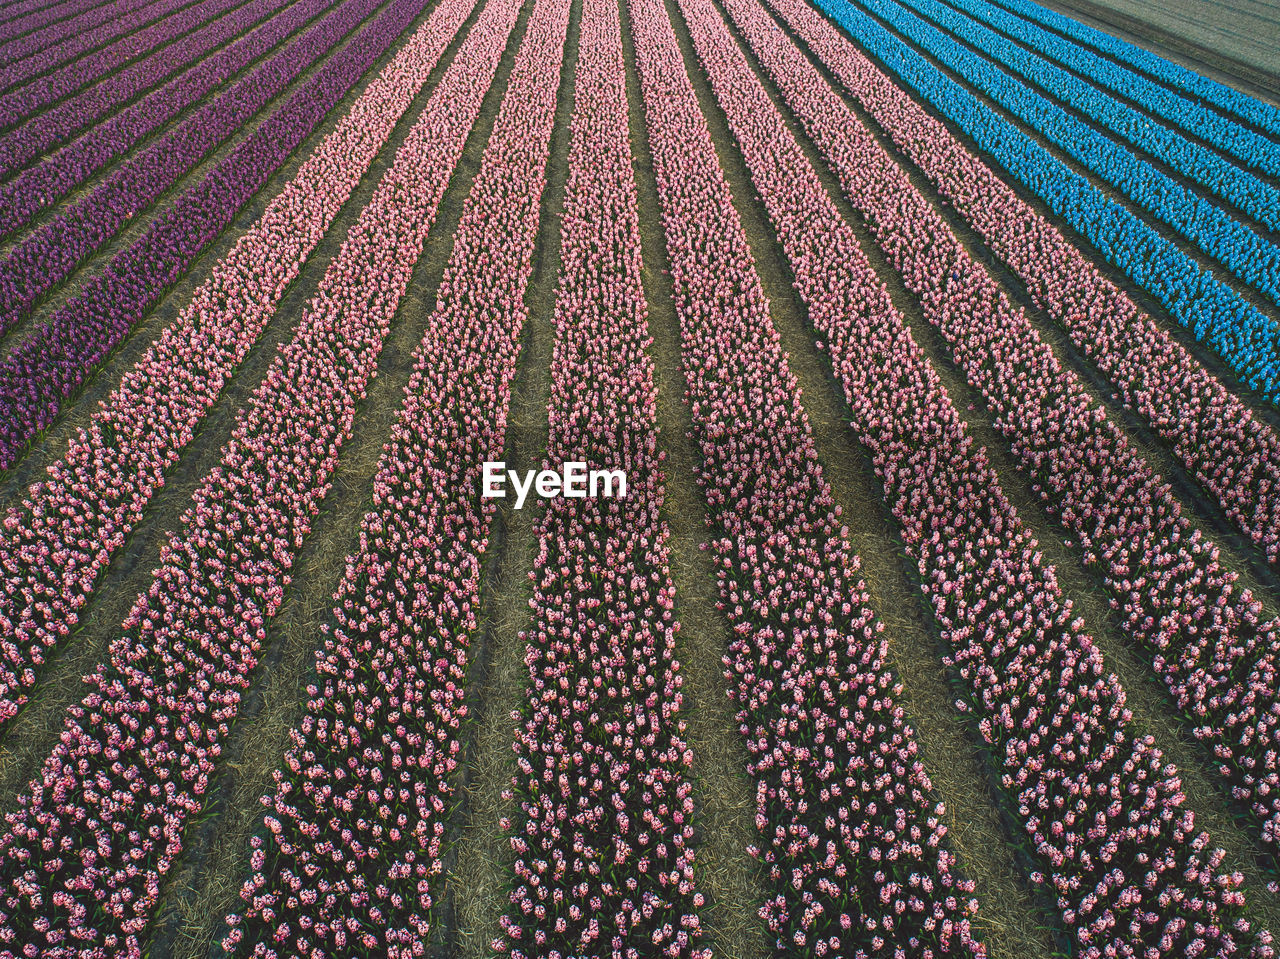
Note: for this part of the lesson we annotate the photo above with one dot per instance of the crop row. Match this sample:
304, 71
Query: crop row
50, 365
1233, 455
602, 839
54, 175
1229, 242
22, 36
850, 834
1199, 164
71, 523
1102, 815
173, 18
355, 827
1179, 77
1240, 333
1248, 146
19, 12
1177, 601
87, 849
45, 257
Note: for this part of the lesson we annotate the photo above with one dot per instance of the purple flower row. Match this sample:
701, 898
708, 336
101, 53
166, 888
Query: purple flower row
1102, 814
355, 827
72, 522
21, 16
43, 258
26, 8
603, 861
1216, 658
22, 36
50, 366
851, 836
17, 17
82, 863
53, 176
144, 30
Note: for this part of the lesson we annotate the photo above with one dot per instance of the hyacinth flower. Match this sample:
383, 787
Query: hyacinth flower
46, 256
1230, 451
604, 863
48, 367
1221, 131
60, 539
1226, 100
36, 74
1216, 657
29, 26
1244, 336
850, 834
1231, 244
1207, 173
354, 830
136, 757
1049, 710
57, 168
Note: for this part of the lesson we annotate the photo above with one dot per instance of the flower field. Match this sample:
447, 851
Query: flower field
935, 345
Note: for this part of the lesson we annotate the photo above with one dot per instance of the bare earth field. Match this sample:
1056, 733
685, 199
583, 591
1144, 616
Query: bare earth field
1235, 41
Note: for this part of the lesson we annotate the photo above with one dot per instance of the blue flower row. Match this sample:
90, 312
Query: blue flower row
1240, 333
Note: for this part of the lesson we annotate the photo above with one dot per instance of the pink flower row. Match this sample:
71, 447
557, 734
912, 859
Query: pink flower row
603, 861
1233, 455
1102, 814
1218, 661
851, 836
82, 862
356, 825
58, 542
